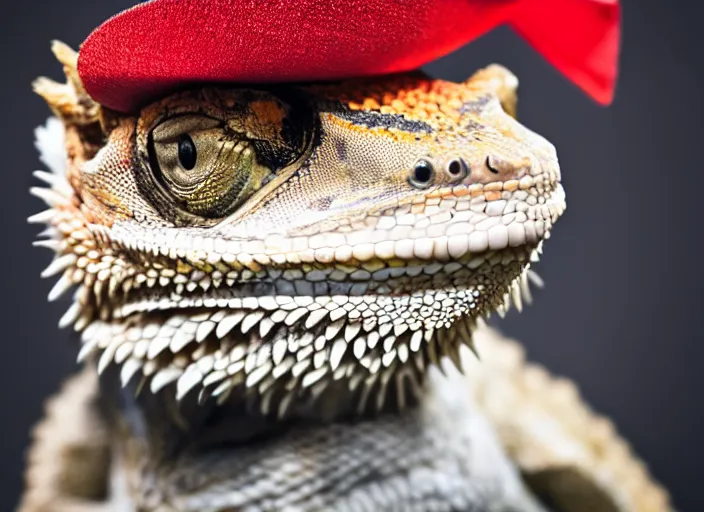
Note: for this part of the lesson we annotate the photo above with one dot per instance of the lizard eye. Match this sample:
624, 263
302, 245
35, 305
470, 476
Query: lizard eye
206, 168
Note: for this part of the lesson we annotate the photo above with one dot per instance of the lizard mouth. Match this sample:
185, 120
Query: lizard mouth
469, 245
294, 330
359, 297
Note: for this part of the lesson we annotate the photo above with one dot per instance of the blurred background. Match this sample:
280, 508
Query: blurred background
621, 311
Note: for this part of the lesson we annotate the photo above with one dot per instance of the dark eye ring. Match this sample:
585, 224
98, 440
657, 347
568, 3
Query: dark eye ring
422, 174
187, 154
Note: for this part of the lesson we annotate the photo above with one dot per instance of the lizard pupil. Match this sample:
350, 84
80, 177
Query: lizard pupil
187, 154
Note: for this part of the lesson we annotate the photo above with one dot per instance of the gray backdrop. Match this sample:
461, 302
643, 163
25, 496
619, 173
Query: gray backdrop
621, 311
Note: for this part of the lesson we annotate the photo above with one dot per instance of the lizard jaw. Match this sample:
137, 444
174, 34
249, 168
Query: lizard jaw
259, 347
284, 348
269, 351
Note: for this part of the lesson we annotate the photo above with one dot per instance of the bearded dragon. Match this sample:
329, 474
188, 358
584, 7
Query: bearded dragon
274, 288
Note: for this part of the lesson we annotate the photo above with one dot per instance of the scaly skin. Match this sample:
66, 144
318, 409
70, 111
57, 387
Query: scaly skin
329, 264
327, 245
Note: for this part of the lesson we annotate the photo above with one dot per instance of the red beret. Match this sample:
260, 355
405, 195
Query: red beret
159, 45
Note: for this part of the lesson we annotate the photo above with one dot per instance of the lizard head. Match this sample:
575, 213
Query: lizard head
276, 243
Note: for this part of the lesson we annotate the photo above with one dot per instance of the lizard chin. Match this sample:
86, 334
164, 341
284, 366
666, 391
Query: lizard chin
281, 340
198, 312
283, 352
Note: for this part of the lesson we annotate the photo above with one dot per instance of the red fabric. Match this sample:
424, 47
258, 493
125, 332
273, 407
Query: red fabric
160, 45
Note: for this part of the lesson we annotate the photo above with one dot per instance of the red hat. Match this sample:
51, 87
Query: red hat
159, 45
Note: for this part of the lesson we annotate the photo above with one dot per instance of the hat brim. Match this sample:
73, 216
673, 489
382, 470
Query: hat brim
158, 46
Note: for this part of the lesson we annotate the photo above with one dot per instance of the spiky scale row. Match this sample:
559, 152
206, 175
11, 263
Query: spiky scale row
277, 347
198, 328
282, 358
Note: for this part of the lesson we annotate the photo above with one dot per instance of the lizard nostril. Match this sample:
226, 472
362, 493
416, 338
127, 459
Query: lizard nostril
422, 174
458, 168
491, 164
513, 167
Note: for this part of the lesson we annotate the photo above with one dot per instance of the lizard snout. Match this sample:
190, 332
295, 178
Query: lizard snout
497, 168
455, 170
